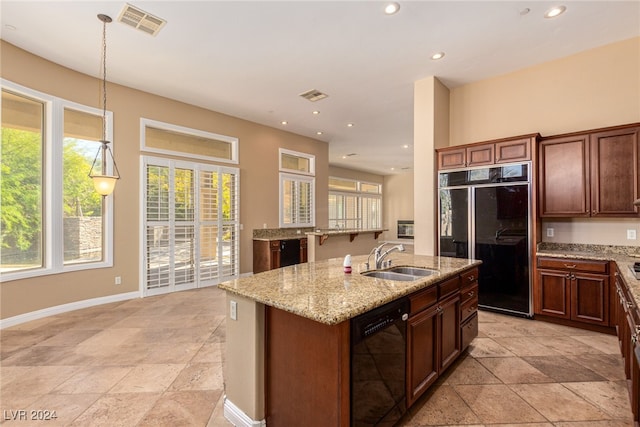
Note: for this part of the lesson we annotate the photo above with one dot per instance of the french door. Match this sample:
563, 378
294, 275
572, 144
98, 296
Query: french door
191, 225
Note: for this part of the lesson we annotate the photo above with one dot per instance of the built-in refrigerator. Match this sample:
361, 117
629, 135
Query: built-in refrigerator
485, 214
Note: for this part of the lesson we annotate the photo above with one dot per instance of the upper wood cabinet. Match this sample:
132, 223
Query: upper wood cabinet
498, 151
590, 174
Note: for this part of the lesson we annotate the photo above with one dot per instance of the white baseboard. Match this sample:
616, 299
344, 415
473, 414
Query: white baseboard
59, 309
238, 418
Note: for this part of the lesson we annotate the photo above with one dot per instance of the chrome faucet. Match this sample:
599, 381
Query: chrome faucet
379, 256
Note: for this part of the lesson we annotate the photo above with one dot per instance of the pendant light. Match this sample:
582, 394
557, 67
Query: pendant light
104, 183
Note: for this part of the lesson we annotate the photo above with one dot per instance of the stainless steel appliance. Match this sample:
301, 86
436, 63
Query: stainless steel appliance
405, 229
485, 213
378, 362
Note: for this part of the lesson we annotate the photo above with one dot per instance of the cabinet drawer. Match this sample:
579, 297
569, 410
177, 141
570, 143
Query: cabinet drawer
468, 308
590, 266
468, 277
469, 331
448, 287
468, 293
423, 299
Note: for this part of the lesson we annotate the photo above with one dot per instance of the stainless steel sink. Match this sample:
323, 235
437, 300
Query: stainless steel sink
413, 271
404, 274
389, 275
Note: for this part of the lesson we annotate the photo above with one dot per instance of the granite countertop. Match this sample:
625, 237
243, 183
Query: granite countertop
321, 291
624, 256
339, 231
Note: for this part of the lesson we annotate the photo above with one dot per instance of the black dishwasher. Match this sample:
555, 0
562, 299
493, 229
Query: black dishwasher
378, 362
289, 252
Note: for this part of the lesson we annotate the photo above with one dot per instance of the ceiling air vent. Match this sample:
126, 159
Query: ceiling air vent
141, 20
313, 95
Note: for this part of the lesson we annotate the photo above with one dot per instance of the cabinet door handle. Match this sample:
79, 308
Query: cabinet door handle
471, 293
570, 266
472, 278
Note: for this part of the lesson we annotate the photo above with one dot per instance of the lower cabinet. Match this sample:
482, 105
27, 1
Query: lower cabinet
267, 254
433, 338
626, 320
469, 307
575, 290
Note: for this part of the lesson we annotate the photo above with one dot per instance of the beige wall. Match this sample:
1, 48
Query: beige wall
398, 202
431, 131
338, 172
596, 88
258, 177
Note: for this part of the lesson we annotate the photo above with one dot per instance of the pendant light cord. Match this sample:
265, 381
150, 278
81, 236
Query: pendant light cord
104, 80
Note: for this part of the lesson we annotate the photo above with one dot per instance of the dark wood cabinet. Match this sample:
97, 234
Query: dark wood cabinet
564, 176
468, 308
266, 254
433, 336
627, 324
615, 177
422, 352
594, 173
576, 290
506, 150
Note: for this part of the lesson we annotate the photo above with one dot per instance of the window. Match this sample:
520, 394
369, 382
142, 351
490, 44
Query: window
297, 189
354, 204
165, 138
51, 220
191, 225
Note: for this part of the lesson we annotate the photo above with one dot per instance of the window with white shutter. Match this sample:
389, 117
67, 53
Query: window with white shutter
192, 225
354, 204
297, 189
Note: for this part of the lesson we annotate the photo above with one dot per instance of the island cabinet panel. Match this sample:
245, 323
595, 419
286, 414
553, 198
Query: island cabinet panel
433, 344
468, 307
590, 174
627, 323
422, 353
574, 290
307, 371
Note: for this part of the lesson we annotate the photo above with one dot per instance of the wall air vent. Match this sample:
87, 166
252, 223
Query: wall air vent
141, 20
313, 95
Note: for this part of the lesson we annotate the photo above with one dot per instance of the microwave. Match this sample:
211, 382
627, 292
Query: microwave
405, 229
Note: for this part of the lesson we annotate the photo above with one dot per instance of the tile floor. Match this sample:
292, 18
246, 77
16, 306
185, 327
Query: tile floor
158, 362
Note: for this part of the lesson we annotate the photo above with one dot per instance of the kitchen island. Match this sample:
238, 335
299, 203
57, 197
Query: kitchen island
288, 349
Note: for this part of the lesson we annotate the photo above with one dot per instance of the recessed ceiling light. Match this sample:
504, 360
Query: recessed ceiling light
525, 11
438, 55
315, 113
350, 125
319, 133
284, 122
391, 8
555, 11
405, 146
393, 169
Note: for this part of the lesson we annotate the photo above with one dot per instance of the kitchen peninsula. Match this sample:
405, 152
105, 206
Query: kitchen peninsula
289, 336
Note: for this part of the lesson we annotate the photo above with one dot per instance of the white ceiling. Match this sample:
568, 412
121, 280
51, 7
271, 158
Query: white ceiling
251, 59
